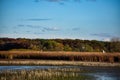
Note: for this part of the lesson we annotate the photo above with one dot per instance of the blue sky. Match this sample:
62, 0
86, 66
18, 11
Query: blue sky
74, 19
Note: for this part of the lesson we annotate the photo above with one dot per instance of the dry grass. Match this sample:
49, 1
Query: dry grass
45, 74
57, 63
68, 56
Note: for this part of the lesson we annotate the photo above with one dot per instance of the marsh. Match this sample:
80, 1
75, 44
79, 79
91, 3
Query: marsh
59, 73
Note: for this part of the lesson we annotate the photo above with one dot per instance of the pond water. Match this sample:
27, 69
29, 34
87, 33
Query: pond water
98, 73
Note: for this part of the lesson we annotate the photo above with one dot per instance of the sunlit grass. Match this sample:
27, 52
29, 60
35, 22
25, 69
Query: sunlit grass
69, 56
44, 74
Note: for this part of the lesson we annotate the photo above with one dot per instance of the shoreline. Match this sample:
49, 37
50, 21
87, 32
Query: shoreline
57, 63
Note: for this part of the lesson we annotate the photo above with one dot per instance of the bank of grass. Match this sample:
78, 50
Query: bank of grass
57, 63
59, 55
44, 74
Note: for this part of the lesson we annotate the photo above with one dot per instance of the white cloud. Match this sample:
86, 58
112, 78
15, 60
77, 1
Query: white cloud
106, 39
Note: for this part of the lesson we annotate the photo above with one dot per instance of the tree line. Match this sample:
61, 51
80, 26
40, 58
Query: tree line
59, 45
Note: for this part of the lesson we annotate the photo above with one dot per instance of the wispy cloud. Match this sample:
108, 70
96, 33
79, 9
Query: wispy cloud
102, 35
36, 0
50, 29
37, 33
106, 39
21, 25
75, 29
33, 26
15, 32
43, 29
63, 0
38, 19
52, 0
30, 26
28, 31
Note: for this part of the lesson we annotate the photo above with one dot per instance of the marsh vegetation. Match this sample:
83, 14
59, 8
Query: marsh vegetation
45, 74
59, 73
60, 55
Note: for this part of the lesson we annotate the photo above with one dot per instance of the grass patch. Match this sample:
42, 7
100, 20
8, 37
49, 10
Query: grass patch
68, 56
44, 74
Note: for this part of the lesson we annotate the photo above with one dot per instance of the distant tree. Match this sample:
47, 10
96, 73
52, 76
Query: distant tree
53, 46
35, 45
67, 48
97, 45
88, 48
60, 44
115, 47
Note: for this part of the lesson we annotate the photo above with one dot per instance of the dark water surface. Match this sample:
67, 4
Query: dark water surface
99, 73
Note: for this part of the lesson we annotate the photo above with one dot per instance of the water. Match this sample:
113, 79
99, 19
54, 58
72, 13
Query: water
98, 73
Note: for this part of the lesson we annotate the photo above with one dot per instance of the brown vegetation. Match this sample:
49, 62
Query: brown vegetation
68, 56
44, 74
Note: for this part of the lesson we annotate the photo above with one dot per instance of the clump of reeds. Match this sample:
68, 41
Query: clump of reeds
39, 74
